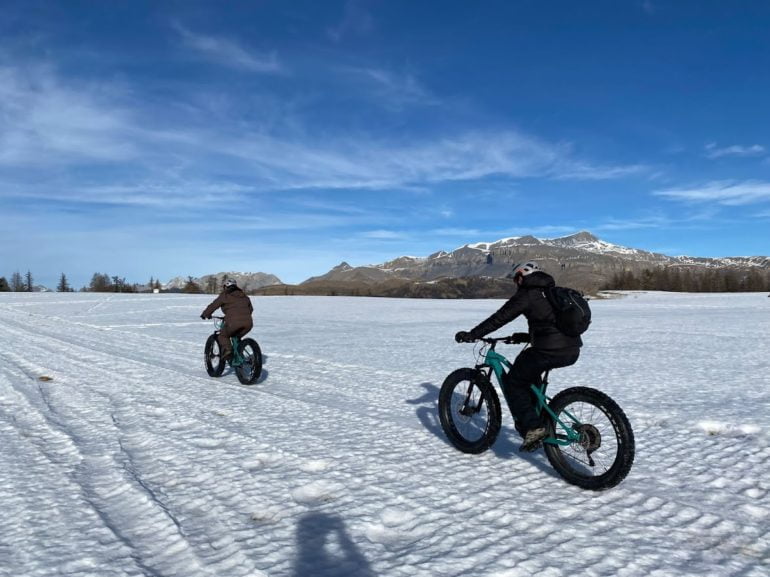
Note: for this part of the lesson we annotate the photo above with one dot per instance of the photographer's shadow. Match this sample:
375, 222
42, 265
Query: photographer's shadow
326, 550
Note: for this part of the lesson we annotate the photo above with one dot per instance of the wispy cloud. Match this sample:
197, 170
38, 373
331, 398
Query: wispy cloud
228, 52
355, 20
713, 151
392, 90
727, 193
384, 235
615, 224
45, 122
133, 159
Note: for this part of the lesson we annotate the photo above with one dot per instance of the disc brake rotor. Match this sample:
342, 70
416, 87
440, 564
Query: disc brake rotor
590, 437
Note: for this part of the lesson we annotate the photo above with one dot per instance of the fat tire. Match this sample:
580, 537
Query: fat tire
491, 402
618, 436
212, 357
249, 371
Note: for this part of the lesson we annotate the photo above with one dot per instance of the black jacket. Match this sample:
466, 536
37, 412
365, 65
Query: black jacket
530, 301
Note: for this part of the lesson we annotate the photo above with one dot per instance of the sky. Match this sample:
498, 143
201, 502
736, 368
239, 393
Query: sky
162, 139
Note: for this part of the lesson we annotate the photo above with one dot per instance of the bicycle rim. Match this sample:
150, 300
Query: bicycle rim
604, 450
469, 412
251, 367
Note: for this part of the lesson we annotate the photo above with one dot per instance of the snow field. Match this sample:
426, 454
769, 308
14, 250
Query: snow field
132, 461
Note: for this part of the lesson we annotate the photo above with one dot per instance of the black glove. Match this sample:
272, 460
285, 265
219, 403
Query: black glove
464, 337
518, 338
205, 318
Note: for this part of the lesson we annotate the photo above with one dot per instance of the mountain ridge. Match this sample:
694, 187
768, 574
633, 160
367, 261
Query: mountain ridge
582, 260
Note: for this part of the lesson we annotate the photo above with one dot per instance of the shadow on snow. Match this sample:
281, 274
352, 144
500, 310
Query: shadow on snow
326, 550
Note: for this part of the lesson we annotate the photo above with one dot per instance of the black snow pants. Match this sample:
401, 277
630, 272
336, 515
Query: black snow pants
526, 371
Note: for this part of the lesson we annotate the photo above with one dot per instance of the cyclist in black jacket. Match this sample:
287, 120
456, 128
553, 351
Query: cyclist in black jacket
550, 347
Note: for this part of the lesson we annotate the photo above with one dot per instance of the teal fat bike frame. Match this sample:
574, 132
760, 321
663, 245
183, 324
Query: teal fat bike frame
499, 364
589, 439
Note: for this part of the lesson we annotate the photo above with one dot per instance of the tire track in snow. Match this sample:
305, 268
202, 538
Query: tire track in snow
130, 508
515, 532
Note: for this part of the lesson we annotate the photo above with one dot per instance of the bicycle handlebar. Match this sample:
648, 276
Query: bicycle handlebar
514, 339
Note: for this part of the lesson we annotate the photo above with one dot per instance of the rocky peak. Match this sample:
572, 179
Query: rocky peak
581, 237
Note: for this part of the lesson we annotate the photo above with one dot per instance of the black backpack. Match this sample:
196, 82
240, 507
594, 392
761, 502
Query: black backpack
573, 315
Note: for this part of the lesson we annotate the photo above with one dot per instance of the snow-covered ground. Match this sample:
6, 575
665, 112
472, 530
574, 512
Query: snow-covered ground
120, 456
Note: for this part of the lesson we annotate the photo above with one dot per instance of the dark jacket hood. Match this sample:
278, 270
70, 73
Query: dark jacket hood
537, 279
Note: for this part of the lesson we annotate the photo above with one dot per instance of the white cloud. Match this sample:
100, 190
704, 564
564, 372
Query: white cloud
721, 192
384, 235
356, 20
613, 224
54, 126
44, 122
737, 150
392, 90
227, 52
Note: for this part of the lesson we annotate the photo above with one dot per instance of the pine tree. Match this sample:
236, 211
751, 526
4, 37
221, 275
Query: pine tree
63, 286
29, 285
4, 286
191, 286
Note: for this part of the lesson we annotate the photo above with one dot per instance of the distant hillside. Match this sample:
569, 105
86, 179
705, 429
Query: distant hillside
212, 283
446, 288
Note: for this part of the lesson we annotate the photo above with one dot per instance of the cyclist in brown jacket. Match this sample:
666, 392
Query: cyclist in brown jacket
237, 308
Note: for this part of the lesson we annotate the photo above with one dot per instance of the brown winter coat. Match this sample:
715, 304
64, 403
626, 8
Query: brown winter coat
235, 305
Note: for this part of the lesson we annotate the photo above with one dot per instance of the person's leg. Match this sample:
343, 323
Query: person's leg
526, 370
225, 346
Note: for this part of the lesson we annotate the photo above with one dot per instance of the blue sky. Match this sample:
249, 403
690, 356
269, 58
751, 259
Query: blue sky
182, 138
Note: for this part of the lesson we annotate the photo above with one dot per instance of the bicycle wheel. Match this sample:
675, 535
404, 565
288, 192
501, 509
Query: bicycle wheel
248, 372
469, 411
604, 453
212, 357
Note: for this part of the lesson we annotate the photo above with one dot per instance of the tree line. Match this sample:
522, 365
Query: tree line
675, 279
100, 282
105, 283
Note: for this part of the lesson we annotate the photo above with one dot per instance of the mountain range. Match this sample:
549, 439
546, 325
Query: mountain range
479, 269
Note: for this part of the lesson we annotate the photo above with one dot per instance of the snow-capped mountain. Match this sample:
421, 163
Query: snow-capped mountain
581, 259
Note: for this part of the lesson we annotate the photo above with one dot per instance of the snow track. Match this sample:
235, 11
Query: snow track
131, 461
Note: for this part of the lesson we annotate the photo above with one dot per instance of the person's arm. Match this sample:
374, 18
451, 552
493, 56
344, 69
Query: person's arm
509, 311
209, 310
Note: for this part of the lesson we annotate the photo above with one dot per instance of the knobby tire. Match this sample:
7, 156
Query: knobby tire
607, 434
251, 369
476, 431
212, 357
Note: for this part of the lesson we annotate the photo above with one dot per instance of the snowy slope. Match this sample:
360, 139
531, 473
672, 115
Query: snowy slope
131, 461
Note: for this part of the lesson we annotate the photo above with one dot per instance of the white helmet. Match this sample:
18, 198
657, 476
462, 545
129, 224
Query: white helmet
524, 268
